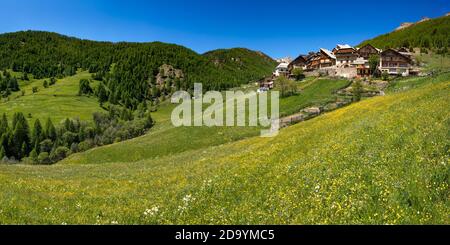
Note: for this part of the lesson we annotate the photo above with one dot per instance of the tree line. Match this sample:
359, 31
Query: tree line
128, 70
8, 84
47, 143
432, 34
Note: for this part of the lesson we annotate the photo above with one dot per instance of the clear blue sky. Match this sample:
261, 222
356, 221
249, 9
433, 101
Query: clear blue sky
278, 28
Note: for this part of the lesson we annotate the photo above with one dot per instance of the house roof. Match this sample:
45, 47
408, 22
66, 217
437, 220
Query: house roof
379, 50
342, 46
344, 51
328, 53
399, 53
301, 58
282, 65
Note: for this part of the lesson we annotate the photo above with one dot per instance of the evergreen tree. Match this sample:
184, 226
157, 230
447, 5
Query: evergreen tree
102, 94
2, 152
84, 87
20, 138
374, 61
3, 124
13, 85
50, 130
38, 134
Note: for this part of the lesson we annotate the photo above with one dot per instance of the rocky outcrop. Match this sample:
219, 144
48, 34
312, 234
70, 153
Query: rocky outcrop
168, 72
404, 25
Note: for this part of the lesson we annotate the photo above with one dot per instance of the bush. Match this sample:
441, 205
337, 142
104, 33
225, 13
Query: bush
44, 158
357, 89
298, 74
59, 154
85, 145
52, 81
285, 86
385, 76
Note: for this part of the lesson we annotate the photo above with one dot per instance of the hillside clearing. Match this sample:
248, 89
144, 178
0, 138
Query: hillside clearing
58, 102
164, 139
384, 162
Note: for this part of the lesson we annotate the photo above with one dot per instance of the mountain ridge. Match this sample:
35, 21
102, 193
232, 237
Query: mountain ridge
136, 65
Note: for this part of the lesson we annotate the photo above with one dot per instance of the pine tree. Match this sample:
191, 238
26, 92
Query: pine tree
50, 130
20, 139
102, 94
3, 124
23, 151
84, 87
37, 135
2, 153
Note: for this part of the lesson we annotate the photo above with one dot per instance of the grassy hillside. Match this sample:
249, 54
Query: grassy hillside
247, 64
384, 161
58, 102
136, 65
164, 139
434, 33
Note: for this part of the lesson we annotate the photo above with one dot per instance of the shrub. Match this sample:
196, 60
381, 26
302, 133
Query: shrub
385, 76
44, 158
298, 74
285, 86
59, 154
46, 145
85, 145
357, 90
52, 81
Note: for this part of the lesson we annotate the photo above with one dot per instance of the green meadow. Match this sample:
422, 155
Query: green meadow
385, 161
165, 139
59, 101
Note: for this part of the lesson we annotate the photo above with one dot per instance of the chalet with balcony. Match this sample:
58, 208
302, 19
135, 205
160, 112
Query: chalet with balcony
395, 63
368, 50
281, 70
322, 59
345, 55
300, 62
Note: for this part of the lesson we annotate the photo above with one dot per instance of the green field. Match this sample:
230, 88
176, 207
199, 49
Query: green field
164, 139
58, 102
385, 161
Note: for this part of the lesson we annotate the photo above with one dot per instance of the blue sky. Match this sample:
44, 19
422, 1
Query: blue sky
278, 28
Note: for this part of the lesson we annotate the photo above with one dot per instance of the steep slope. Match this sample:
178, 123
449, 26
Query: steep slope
247, 64
385, 161
164, 139
133, 67
56, 102
434, 33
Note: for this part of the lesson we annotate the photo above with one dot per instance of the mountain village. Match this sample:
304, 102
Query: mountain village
347, 62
